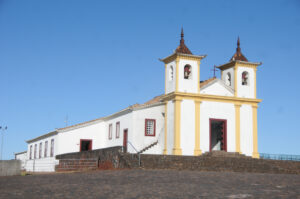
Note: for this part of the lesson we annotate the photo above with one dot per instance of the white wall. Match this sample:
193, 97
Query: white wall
69, 141
138, 138
188, 85
246, 130
170, 84
246, 91
217, 110
216, 89
187, 127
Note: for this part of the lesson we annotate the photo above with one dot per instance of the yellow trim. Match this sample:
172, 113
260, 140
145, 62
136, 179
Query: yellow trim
214, 98
165, 152
240, 63
177, 106
254, 70
237, 128
197, 150
235, 80
198, 64
182, 56
166, 76
177, 74
255, 153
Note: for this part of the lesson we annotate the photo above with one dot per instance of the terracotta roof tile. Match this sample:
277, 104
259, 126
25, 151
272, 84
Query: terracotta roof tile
238, 54
182, 48
206, 82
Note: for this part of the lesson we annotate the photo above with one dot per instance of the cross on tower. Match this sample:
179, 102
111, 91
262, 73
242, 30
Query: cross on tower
215, 69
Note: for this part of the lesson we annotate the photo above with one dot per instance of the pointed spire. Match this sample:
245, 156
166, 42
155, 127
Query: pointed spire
238, 54
182, 47
182, 37
238, 49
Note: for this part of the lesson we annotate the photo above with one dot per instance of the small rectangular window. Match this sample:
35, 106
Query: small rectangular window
150, 127
110, 131
35, 146
40, 151
52, 148
117, 129
46, 149
30, 152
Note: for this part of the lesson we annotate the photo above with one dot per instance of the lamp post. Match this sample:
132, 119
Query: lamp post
3, 128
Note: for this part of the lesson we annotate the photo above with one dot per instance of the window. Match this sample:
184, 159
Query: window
30, 152
245, 78
149, 127
171, 72
86, 145
46, 149
52, 148
35, 146
110, 131
187, 72
117, 129
40, 151
228, 79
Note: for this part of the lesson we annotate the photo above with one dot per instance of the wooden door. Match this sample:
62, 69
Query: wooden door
125, 139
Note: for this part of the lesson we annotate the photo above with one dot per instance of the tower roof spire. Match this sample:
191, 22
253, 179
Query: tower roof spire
238, 54
182, 47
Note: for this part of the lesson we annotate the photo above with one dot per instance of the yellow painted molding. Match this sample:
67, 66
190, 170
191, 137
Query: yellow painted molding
213, 98
240, 63
177, 74
255, 153
237, 128
177, 120
166, 76
182, 56
255, 82
198, 80
235, 80
165, 151
197, 150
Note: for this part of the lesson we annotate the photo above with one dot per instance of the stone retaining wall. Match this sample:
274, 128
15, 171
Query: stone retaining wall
10, 167
113, 158
108, 158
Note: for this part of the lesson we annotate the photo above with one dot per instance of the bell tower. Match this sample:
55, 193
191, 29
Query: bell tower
240, 74
182, 70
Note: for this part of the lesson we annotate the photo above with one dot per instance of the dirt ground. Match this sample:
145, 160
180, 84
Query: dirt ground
150, 184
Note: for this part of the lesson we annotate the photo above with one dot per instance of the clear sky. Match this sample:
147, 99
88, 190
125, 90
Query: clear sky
88, 59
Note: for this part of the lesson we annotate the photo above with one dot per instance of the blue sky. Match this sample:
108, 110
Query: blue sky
88, 59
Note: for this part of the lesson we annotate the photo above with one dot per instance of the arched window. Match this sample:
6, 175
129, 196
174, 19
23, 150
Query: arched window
245, 78
187, 72
228, 79
171, 72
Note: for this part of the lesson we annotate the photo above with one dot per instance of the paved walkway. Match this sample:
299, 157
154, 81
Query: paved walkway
151, 184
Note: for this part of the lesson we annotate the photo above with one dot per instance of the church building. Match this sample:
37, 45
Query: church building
192, 116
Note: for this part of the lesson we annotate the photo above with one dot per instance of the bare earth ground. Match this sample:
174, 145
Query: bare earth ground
151, 184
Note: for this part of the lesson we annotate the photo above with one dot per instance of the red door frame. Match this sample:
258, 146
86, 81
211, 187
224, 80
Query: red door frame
125, 139
91, 145
225, 132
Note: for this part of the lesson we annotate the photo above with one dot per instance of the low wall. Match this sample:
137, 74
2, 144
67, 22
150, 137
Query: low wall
108, 158
10, 167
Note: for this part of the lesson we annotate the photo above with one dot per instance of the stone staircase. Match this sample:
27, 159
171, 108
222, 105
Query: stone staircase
148, 147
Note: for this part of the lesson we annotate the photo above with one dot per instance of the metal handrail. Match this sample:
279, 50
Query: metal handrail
139, 155
280, 157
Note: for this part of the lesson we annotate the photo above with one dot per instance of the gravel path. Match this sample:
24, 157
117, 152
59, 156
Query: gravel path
150, 184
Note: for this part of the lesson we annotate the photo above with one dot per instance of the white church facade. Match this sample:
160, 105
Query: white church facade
190, 118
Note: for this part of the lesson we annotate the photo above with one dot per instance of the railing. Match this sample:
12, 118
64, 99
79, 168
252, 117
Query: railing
279, 157
139, 155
